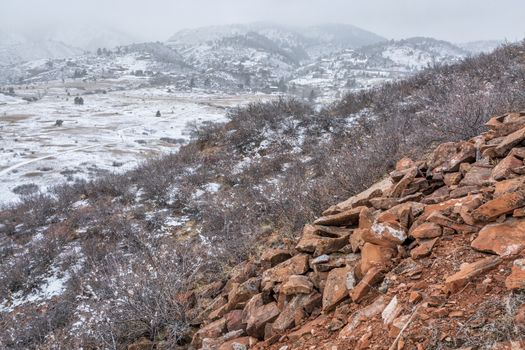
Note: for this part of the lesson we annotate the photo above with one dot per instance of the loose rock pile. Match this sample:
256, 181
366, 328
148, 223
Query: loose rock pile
417, 253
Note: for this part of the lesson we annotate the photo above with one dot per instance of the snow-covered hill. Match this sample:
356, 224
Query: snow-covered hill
356, 69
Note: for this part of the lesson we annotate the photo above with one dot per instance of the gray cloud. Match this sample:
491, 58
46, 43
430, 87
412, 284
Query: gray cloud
453, 20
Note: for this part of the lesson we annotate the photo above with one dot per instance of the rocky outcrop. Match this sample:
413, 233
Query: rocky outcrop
394, 256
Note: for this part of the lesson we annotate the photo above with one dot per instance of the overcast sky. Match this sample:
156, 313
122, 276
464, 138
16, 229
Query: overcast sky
453, 20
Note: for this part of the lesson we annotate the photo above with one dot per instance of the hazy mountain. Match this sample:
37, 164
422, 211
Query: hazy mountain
18, 48
93, 36
310, 39
58, 42
482, 46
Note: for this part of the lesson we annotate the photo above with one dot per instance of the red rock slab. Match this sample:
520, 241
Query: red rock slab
373, 191
477, 176
423, 249
469, 271
234, 320
398, 188
346, 218
274, 257
387, 234
504, 239
452, 179
336, 287
501, 205
444, 221
508, 186
427, 230
404, 163
299, 303
505, 167
376, 255
235, 344
297, 284
372, 277
258, 319
212, 330
448, 156
297, 265
319, 240
516, 279
440, 207
509, 142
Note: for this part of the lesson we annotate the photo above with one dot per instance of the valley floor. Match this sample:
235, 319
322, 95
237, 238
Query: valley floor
112, 131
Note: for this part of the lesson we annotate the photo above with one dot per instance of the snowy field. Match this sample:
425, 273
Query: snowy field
111, 132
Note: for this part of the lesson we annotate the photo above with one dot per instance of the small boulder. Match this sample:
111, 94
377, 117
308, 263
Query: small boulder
346, 218
212, 330
297, 265
297, 284
504, 239
371, 278
423, 249
274, 257
503, 204
336, 287
427, 230
516, 279
373, 255
469, 271
259, 317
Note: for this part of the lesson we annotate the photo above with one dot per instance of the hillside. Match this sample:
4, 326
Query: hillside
135, 257
397, 266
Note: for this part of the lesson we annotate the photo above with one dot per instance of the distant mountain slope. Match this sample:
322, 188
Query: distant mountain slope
17, 48
58, 42
92, 37
310, 39
482, 46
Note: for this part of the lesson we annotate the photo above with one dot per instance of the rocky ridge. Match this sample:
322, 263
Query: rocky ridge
432, 255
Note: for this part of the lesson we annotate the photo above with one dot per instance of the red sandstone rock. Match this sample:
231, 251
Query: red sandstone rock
427, 230
338, 283
373, 255
504, 204
372, 277
469, 271
516, 279
504, 239
297, 284
297, 265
